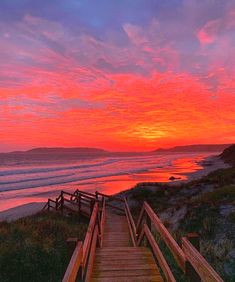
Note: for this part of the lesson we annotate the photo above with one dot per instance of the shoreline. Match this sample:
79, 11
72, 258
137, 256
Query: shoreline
209, 164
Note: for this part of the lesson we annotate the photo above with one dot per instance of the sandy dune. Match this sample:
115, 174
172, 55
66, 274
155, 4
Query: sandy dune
21, 211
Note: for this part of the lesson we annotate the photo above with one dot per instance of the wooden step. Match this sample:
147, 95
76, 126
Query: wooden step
118, 260
125, 264
142, 278
116, 231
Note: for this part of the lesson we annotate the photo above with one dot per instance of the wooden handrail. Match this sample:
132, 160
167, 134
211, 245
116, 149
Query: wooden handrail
91, 255
79, 196
130, 216
159, 256
139, 221
131, 223
88, 238
53, 201
45, 206
88, 250
82, 199
110, 196
74, 264
102, 222
86, 193
188, 258
76, 195
201, 266
166, 237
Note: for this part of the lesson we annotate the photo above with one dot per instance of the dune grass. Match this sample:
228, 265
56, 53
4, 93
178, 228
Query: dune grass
221, 194
34, 248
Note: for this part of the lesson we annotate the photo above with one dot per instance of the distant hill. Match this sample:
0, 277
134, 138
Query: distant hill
82, 151
194, 148
228, 155
61, 150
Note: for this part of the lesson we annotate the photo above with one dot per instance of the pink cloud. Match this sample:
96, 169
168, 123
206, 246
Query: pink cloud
209, 32
214, 29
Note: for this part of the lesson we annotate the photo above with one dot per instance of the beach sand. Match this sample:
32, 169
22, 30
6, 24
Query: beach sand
21, 211
209, 164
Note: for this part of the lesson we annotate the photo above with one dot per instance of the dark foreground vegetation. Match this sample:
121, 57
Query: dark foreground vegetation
205, 206
34, 248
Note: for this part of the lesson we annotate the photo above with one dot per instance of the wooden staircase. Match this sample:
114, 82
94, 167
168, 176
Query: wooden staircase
116, 232
118, 259
118, 249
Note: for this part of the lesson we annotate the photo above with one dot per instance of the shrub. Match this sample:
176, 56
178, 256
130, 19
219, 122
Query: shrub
34, 248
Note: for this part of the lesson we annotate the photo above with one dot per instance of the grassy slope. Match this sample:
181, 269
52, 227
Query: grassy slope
203, 214
34, 248
228, 155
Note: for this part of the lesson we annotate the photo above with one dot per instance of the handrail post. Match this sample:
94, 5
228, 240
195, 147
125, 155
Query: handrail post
62, 201
139, 221
79, 202
149, 224
91, 206
131, 223
189, 269
99, 229
73, 270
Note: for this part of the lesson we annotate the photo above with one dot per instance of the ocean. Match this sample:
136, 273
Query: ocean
32, 179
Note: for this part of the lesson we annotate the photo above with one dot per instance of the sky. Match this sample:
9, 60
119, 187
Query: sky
122, 75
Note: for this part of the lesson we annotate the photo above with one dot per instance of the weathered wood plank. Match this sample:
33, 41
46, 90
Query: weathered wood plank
129, 256
142, 278
124, 249
130, 261
126, 266
126, 273
131, 224
202, 267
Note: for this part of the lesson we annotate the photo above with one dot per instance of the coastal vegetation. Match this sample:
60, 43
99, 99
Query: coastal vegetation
34, 248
